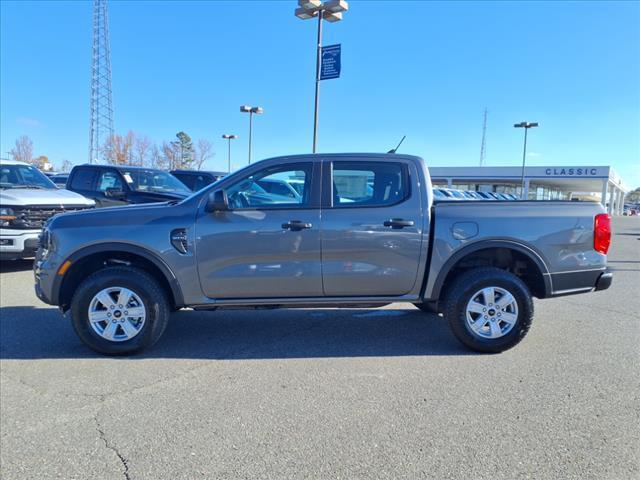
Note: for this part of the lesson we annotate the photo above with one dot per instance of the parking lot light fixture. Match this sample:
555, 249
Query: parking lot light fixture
526, 126
229, 137
331, 11
251, 110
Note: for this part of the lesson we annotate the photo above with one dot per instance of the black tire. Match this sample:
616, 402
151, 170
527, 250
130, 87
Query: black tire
461, 292
145, 286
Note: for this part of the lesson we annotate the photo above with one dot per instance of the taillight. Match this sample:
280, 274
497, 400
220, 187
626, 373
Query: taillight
602, 233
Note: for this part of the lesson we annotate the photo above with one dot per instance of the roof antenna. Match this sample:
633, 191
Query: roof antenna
393, 150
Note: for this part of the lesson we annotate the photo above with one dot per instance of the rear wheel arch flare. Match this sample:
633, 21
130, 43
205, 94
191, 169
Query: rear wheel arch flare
538, 280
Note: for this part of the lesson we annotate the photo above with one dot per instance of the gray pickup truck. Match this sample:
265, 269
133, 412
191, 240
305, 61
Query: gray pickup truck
363, 231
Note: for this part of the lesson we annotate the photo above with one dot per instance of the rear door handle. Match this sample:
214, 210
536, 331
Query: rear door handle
296, 225
397, 223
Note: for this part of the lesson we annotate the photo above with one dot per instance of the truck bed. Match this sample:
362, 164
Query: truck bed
559, 234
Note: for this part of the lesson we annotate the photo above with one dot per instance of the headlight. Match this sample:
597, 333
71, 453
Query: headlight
45, 239
6, 216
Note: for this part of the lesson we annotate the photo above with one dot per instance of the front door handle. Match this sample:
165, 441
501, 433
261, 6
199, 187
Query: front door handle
296, 225
397, 223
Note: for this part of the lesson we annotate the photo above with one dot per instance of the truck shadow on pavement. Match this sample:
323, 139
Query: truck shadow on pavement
8, 266
38, 333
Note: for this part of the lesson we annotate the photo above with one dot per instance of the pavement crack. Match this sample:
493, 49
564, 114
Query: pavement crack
109, 446
43, 391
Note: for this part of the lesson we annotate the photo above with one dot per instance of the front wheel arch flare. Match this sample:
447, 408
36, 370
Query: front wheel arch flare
94, 257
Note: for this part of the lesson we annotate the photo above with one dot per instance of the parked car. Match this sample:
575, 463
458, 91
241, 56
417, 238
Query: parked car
486, 195
446, 194
27, 200
456, 193
630, 210
60, 179
471, 195
194, 180
475, 195
438, 194
111, 185
279, 187
120, 272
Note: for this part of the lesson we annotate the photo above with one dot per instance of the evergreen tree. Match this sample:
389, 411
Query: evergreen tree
183, 146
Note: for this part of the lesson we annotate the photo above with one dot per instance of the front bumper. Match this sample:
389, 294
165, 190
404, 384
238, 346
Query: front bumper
43, 274
16, 244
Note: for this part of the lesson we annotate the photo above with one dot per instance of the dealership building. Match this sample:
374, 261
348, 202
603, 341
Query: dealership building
540, 183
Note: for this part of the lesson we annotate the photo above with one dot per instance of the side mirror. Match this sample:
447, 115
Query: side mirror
218, 202
116, 193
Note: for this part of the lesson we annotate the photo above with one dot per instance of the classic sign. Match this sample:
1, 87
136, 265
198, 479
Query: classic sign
571, 172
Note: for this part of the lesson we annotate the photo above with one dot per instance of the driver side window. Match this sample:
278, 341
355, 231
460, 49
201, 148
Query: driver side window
109, 179
273, 188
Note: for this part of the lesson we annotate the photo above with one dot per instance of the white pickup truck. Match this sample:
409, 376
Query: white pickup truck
27, 199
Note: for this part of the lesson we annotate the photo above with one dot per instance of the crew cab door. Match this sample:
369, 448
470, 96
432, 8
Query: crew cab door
82, 181
371, 227
266, 245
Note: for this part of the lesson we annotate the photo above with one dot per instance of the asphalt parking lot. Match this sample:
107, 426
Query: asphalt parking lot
379, 393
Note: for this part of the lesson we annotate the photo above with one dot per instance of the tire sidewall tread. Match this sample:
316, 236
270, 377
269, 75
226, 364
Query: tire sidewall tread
146, 287
465, 285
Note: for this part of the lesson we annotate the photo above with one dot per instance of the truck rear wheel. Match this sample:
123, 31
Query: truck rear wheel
119, 310
489, 310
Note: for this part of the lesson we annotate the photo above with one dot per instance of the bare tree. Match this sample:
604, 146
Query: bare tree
118, 150
156, 160
66, 166
142, 149
203, 153
172, 155
23, 151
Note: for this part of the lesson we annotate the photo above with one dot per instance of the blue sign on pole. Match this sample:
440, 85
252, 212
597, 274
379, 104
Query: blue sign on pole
330, 65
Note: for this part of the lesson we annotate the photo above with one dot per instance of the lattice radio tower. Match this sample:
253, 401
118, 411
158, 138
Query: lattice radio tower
101, 122
483, 147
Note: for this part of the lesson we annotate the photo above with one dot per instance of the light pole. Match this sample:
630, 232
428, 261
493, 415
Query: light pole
229, 137
251, 110
331, 11
526, 126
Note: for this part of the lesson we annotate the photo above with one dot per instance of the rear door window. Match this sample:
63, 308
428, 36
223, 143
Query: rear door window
186, 178
201, 181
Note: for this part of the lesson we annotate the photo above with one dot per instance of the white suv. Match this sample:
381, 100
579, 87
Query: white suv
28, 199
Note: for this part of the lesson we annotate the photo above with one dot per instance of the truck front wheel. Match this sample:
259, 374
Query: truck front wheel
119, 310
489, 310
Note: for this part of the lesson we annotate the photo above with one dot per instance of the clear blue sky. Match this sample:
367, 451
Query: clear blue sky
424, 69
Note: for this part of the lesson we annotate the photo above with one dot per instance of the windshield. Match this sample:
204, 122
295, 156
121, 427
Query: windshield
23, 176
154, 181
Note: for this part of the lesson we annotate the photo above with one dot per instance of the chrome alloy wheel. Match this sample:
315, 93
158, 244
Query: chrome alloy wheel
117, 314
492, 312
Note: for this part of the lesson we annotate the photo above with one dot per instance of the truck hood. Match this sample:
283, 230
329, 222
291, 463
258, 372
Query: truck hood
128, 215
153, 197
25, 197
